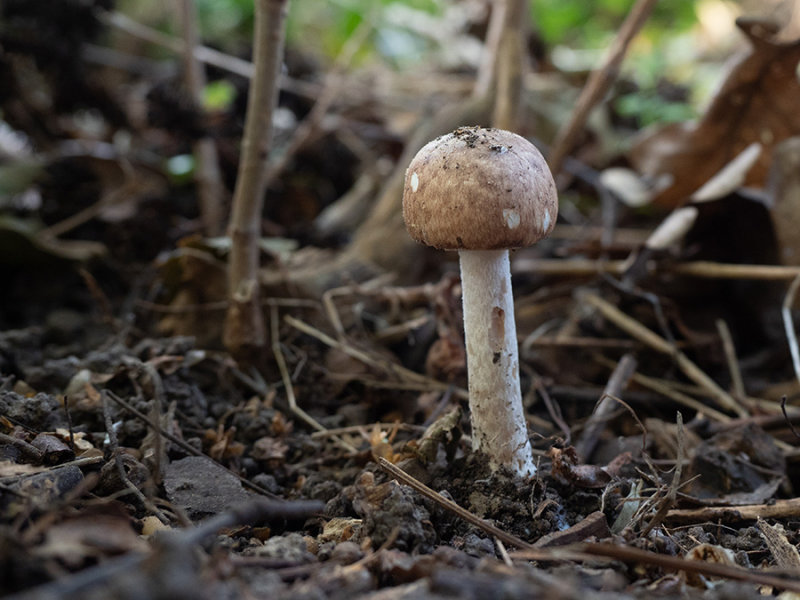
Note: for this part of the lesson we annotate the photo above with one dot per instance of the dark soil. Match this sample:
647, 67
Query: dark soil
138, 459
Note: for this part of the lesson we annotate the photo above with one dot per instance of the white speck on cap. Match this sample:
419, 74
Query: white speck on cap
546, 220
512, 218
414, 181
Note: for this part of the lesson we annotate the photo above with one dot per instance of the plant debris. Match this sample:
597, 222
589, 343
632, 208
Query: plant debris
141, 458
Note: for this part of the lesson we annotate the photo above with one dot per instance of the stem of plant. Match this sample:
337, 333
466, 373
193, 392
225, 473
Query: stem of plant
244, 322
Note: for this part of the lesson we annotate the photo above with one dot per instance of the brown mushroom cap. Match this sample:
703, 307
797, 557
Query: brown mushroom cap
479, 189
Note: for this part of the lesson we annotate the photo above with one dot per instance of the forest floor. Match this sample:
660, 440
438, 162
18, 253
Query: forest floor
139, 459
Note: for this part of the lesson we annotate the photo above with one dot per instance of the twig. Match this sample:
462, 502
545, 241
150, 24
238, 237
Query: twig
599, 82
244, 322
593, 550
501, 550
617, 382
70, 428
136, 367
668, 501
360, 428
329, 304
448, 504
679, 397
786, 417
207, 172
635, 556
788, 323
778, 509
553, 408
700, 268
277, 351
487, 70
656, 342
205, 54
116, 453
730, 356
130, 185
187, 447
559, 341
395, 369
308, 130
511, 63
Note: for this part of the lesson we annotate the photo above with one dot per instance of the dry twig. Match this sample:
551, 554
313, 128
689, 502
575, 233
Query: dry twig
788, 322
618, 381
578, 267
591, 551
188, 448
208, 176
656, 342
730, 355
244, 322
599, 81
287, 382
404, 374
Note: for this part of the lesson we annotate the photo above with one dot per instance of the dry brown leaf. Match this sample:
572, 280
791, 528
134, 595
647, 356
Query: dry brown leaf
566, 468
738, 466
708, 553
12, 469
90, 536
783, 551
269, 449
757, 102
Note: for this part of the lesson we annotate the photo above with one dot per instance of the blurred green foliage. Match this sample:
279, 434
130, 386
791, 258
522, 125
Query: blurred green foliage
327, 25
218, 95
582, 24
399, 39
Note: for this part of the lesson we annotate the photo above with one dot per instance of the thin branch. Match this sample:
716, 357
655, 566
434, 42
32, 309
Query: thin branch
310, 128
287, 383
582, 267
189, 449
598, 83
617, 382
788, 323
511, 63
658, 343
448, 504
116, 453
730, 356
207, 174
244, 323
397, 370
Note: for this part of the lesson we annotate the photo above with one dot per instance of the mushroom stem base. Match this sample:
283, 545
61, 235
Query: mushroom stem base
498, 422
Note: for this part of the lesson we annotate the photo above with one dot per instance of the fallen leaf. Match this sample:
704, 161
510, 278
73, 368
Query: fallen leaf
12, 469
566, 468
757, 102
735, 467
90, 536
708, 553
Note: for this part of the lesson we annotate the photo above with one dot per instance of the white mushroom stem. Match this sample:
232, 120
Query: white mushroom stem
495, 400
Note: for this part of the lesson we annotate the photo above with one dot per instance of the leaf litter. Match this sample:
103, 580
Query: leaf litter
140, 460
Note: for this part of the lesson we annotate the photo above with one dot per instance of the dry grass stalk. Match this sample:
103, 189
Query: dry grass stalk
656, 342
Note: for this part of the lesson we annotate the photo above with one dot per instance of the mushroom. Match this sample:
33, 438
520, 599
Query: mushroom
483, 192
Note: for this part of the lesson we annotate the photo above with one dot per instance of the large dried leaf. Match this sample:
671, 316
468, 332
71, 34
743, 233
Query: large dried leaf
759, 101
